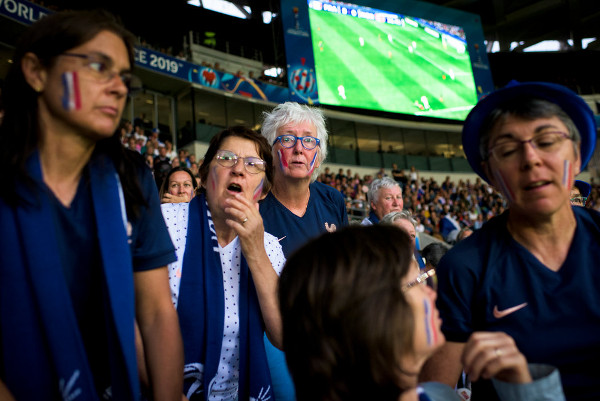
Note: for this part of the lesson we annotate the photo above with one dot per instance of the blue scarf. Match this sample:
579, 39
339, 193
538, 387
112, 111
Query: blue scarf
201, 309
41, 347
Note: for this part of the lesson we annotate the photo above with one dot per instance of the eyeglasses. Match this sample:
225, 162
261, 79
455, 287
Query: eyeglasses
426, 278
547, 142
289, 141
101, 68
253, 165
578, 200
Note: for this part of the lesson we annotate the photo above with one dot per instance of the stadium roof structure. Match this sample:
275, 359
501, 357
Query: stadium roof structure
514, 25
528, 22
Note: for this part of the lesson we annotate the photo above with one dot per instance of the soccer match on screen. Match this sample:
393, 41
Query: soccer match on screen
379, 60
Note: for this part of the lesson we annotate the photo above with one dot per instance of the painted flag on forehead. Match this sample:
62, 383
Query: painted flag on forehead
71, 97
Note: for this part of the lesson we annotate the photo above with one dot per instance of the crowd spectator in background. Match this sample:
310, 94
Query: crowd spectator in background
183, 157
150, 162
413, 175
149, 149
161, 165
580, 192
406, 222
471, 204
433, 253
179, 185
297, 208
384, 196
399, 176
171, 154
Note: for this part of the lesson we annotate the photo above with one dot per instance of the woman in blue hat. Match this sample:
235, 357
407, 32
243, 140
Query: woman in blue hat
532, 271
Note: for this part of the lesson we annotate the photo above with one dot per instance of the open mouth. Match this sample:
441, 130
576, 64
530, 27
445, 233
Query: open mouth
234, 188
536, 184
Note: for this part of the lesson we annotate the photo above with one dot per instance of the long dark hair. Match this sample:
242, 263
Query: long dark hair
346, 322
20, 128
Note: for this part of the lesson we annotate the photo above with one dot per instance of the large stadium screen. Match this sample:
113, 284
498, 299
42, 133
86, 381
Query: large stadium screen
369, 58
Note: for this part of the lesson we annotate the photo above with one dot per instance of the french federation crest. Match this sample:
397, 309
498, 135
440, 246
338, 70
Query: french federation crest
302, 82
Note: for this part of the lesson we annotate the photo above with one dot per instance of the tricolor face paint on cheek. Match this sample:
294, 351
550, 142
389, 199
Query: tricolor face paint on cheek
282, 160
258, 190
504, 188
312, 163
71, 99
567, 175
213, 174
430, 329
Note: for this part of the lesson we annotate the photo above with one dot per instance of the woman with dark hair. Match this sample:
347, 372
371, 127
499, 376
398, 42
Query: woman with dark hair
84, 248
224, 281
179, 185
359, 321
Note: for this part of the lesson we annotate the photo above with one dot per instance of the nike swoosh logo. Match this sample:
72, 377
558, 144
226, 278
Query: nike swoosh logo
499, 314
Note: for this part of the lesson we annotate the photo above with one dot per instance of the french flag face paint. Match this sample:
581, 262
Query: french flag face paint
213, 173
504, 188
71, 96
312, 163
430, 330
282, 161
568, 175
258, 190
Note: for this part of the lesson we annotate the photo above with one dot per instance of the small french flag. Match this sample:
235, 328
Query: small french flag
567, 174
71, 97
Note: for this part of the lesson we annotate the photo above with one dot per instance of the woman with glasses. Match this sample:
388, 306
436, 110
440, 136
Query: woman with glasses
298, 208
224, 281
532, 271
359, 321
84, 247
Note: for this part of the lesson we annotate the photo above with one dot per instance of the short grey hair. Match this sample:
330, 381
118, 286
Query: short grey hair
376, 185
295, 113
527, 108
405, 214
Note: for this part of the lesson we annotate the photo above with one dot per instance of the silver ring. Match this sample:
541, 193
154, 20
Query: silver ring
245, 220
498, 352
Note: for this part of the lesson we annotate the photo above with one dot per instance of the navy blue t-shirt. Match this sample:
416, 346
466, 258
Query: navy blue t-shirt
326, 211
490, 282
77, 238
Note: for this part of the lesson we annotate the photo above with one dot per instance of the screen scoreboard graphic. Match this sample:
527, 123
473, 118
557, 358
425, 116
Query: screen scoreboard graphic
409, 58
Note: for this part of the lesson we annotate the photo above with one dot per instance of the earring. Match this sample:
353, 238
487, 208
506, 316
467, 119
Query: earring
38, 89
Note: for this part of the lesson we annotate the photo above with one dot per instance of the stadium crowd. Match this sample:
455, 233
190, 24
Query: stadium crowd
110, 289
470, 203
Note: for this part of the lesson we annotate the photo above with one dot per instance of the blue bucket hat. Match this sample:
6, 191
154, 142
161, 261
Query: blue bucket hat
584, 188
573, 105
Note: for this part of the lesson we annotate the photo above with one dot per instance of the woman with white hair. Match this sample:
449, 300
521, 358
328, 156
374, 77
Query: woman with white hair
298, 208
406, 222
